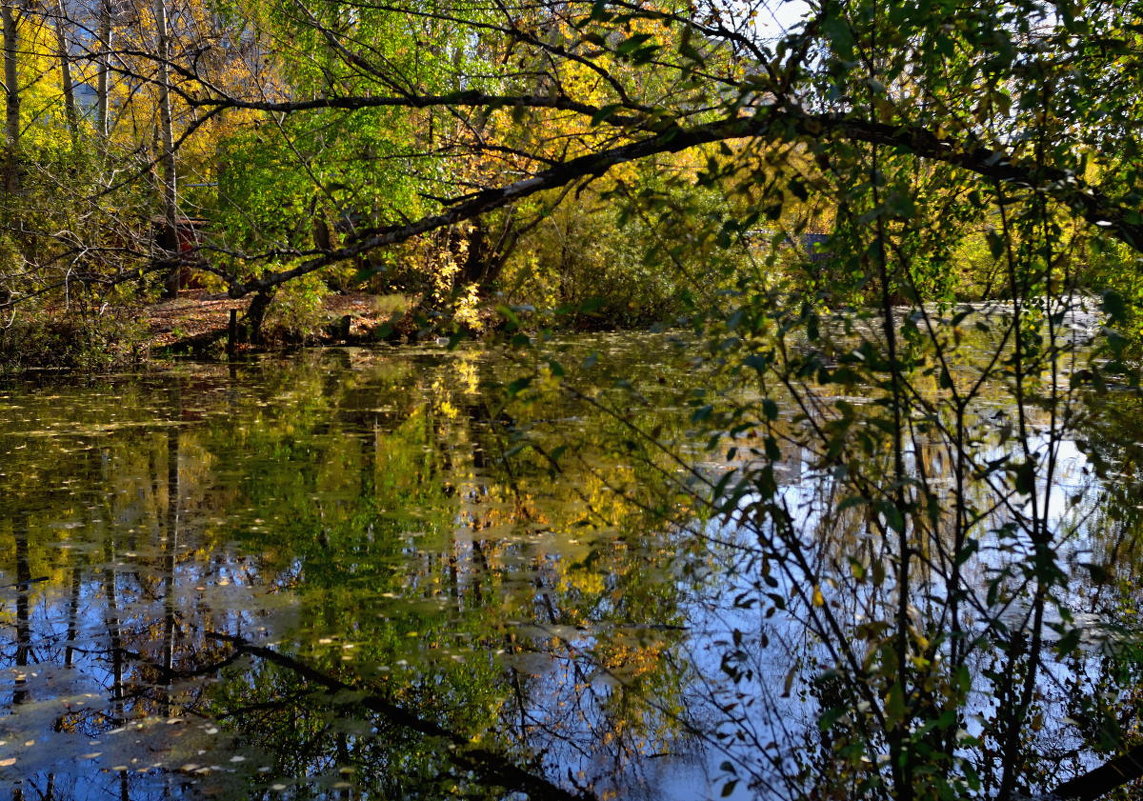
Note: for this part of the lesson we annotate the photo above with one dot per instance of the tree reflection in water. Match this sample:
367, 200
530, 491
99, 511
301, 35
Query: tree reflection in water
322, 578
430, 623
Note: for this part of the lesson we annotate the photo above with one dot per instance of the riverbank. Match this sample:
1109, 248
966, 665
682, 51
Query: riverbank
95, 338
197, 320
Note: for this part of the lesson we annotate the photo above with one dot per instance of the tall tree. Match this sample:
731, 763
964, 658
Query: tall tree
11, 13
67, 85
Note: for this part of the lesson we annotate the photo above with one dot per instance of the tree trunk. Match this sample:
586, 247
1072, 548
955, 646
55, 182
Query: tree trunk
168, 239
65, 73
170, 548
10, 11
103, 81
487, 256
256, 315
23, 611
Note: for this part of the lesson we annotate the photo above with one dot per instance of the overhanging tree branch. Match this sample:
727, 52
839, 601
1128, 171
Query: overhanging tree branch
772, 123
453, 99
1123, 769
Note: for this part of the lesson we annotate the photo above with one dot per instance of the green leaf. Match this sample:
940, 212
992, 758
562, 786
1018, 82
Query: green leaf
1068, 642
1115, 307
895, 704
702, 413
604, 113
590, 305
519, 385
1026, 477
632, 44
687, 51
1099, 573
997, 245
840, 36
893, 517
851, 501
965, 553
769, 409
758, 361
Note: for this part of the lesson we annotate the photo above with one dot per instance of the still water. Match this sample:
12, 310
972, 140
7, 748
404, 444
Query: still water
320, 576
365, 573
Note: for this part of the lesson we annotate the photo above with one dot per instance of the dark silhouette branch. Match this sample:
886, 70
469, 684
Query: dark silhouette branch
1123, 769
770, 123
493, 767
450, 100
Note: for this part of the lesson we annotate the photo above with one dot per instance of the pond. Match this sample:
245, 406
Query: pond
407, 573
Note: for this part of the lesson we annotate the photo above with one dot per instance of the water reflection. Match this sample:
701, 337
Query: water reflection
426, 602
321, 577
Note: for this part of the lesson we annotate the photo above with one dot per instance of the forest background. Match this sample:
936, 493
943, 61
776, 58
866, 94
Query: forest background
586, 164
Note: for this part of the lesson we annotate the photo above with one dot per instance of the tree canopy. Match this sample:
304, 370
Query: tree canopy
316, 134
